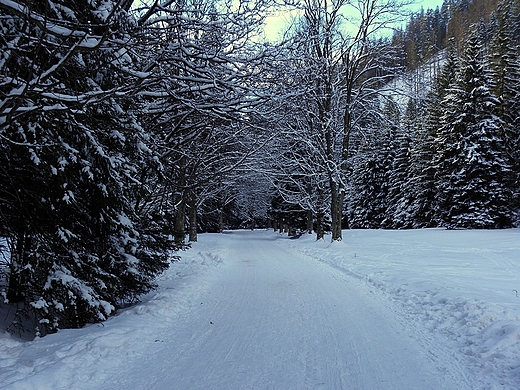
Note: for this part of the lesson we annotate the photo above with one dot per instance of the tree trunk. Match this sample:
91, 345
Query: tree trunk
19, 259
180, 222
336, 210
221, 220
320, 216
180, 214
309, 221
193, 217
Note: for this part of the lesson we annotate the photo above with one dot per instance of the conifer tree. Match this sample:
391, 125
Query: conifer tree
70, 153
420, 187
471, 167
418, 190
399, 138
401, 193
368, 200
505, 69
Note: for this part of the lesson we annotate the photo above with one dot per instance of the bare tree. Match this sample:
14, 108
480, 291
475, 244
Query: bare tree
204, 90
342, 61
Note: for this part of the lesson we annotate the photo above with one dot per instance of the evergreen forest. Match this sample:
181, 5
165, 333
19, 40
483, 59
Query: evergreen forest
128, 127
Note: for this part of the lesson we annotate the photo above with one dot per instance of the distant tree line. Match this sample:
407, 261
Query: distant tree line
429, 31
450, 158
442, 152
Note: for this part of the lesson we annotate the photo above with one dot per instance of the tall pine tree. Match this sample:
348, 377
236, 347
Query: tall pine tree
471, 166
505, 69
71, 149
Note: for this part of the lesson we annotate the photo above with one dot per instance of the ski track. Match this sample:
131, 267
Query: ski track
263, 316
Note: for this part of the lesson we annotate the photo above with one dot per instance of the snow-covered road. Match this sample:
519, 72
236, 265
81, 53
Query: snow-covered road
274, 320
256, 310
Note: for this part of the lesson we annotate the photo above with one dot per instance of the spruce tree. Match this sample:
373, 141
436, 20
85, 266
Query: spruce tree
505, 69
408, 167
420, 186
70, 155
396, 214
471, 166
370, 185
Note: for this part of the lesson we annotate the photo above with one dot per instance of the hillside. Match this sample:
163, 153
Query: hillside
429, 31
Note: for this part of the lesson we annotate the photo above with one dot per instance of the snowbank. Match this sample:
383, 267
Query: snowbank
460, 286
91, 357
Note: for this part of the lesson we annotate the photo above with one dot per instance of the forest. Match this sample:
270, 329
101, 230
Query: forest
128, 127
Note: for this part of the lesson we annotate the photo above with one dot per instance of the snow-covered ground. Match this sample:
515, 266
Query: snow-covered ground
424, 309
415, 83
459, 288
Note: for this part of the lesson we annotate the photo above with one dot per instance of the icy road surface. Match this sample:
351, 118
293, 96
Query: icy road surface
256, 310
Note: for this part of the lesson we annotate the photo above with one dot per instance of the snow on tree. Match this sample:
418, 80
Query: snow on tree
343, 65
417, 190
505, 69
372, 162
472, 168
400, 140
70, 153
201, 100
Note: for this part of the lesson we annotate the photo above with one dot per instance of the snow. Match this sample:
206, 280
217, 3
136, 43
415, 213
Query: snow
50, 26
421, 309
461, 286
104, 10
415, 84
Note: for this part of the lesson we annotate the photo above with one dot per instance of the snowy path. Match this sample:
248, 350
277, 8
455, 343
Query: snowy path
246, 310
272, 320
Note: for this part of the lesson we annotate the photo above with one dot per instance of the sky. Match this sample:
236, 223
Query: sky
427, 4
276, 24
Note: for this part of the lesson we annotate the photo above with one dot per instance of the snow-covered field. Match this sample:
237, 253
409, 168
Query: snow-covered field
461, 288
424, 309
